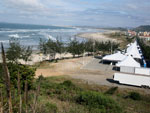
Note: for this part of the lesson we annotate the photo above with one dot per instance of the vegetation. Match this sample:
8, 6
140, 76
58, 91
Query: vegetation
26, 53
143, 28
64, 95
72, 96
106, 47
145, 49
25, 72
111, 91
16, 51
122, 38
135, 96
69, 92
51, 47
75, 47
98, 103
117, 28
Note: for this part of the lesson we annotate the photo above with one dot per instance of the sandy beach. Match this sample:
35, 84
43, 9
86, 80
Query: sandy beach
98, 36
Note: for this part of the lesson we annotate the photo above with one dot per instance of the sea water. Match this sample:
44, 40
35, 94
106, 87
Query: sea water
30, 35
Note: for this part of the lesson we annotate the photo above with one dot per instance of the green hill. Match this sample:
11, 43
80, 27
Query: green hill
143, 28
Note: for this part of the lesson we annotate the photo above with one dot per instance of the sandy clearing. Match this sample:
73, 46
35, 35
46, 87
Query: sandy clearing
64, 67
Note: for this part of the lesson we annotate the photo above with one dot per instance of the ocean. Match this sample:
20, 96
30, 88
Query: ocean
29, 35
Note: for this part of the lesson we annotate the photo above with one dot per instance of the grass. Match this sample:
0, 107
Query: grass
120, 36
44, 65
62, 94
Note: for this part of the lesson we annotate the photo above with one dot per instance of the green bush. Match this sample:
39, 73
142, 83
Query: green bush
25, 72
67, 91
111, 90
99, 102
68, 83
135, 96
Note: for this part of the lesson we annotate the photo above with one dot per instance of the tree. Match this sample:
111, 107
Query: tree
26, 53
43, 46
14, 51
81, 48
51, 48
59, 46
89, 46
73, 47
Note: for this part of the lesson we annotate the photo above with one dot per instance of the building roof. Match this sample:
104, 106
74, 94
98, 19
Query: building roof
133, 50
129, 62
114, 57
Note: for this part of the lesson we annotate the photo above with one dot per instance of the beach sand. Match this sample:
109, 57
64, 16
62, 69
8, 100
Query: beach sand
39, 57
63, 67
100, 36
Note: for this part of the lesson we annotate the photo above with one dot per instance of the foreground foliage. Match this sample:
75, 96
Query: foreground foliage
98, 102
64, 95
25, 72
94, 102
83, 98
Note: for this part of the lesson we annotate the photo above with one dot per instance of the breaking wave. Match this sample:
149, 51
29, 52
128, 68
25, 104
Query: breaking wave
14, 36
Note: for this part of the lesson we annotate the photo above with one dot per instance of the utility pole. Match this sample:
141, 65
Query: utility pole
111, 47
93, 48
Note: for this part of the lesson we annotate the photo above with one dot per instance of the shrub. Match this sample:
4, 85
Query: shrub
135, 96
67, 83
99, 102
67, 91
25, 72
111, 90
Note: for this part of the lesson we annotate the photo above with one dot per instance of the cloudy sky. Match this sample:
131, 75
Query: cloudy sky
116, 13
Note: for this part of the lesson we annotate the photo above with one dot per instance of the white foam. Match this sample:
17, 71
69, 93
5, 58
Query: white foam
4, 41
27, 36
14, 36
50, 37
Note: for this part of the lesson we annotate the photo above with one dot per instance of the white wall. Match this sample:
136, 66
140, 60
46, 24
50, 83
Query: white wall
125, 69
142, 71
135, 70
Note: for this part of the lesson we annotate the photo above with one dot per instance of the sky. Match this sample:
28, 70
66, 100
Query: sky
105, 13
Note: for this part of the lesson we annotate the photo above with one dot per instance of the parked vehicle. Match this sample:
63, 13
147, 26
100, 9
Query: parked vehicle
130, 79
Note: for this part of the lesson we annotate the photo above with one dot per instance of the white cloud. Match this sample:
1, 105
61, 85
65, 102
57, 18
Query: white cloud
132, 6
25, 5
76, 11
